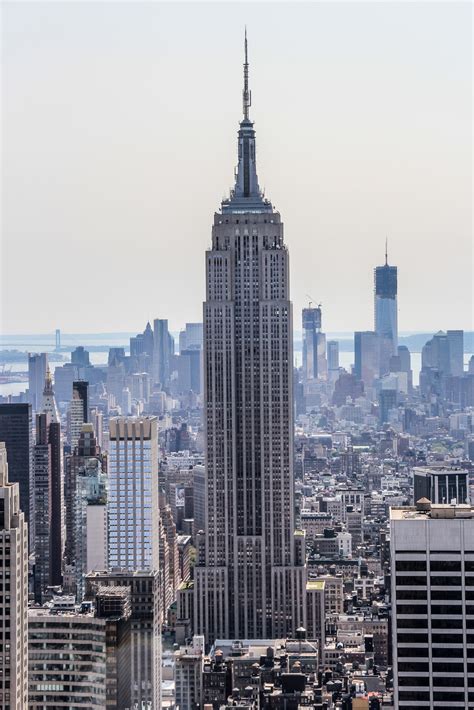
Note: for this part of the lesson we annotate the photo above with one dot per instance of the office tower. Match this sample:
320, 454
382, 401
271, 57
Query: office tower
144, 650
141, 386
114, 605
64, 376
432, 578
89, 512
42, 507
347, 386
456, 352
333, 355
141, 350
133, 510
186, 372
405, 364
250, 577
14, 585
315, 611
97, 419
387, 401
126, 402
57, 520
163, 349
435, 353
385, 304
191, 337
78, 412
115, 374
440, 484
16, 430
80, 390
58, 339
367, 357
66, 657
314, 345
37, 365
188, 674
85, 482
80, 357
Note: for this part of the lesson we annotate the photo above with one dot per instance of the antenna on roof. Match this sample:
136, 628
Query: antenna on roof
246, 94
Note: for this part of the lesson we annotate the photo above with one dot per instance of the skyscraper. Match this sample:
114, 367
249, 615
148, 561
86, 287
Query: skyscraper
314, 345
163, 349
42, 507
333, 355
250, 577
16, 430
78, 412
366, 356
85, 495
132, 506
14, 581
57, 519
456, 352
432, 577
385, 311
37, 365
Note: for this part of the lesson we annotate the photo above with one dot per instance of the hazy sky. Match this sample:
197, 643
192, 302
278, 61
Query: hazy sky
119, 129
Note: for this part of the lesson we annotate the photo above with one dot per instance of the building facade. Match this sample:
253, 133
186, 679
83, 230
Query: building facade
67, 659
14, 596
16, 430
132, 506
144, 649
432, 578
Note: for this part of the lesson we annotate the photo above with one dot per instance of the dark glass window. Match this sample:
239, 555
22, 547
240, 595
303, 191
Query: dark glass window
410, 666
412, 652
411, 594
410, 566
446, 609
454, 581
414, 695
412, 609
414, 638
447, 652
447, 638
411, 581
412, 623
448, 668
446, 594
445, 565
414, 680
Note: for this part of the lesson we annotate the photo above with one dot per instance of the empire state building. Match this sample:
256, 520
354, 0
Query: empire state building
250, 576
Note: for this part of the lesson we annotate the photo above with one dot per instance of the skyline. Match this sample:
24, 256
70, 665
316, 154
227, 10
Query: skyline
153, 187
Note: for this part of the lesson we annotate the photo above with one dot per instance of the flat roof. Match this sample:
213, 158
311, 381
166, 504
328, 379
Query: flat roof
315, 585
434, 512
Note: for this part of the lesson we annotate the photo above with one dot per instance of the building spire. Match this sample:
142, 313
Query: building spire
246, 195
49, 401
246, 94
386, 251
48, 385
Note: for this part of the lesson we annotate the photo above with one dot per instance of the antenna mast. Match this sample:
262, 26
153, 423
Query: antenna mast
246, 94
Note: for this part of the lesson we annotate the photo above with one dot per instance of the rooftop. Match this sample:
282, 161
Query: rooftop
317, 585
428, 511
